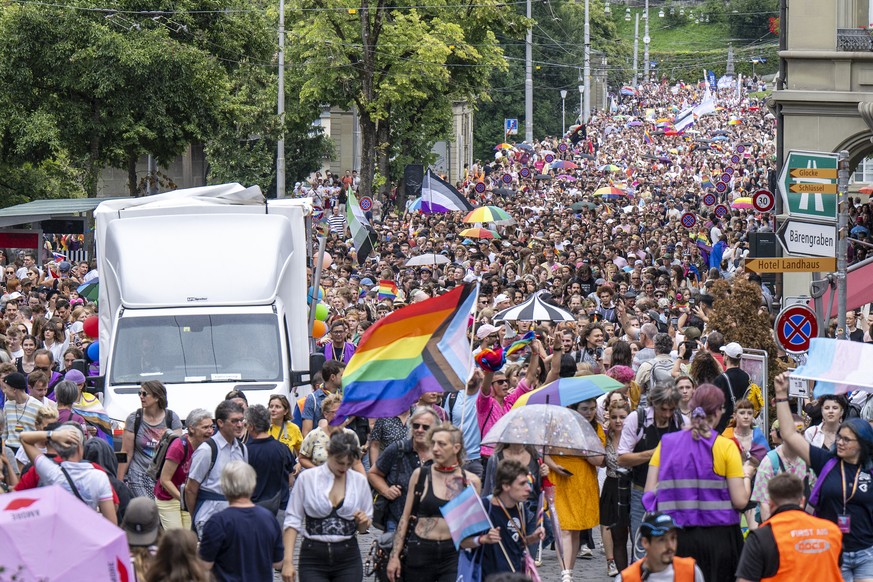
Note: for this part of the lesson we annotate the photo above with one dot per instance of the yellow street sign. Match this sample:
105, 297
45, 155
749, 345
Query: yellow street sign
792, 265
826, 173
814, 188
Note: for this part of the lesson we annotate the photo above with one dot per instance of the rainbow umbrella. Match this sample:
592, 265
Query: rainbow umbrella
479, 233
609, 168
488, 214
564, 165
610, 192
567, 391
503, 146
743, 203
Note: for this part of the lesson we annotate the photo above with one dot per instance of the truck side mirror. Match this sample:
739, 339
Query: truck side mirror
316, 363
301, 377
95, 384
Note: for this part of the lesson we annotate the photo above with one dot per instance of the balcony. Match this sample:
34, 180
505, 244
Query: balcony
854, 40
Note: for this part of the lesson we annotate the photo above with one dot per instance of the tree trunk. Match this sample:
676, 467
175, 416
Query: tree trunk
368, 150
383, 149
131, 176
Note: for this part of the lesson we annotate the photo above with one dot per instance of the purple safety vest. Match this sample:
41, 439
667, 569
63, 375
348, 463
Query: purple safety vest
689, 490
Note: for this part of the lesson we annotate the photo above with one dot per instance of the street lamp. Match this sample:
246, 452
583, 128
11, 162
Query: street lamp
563, 110
606, 8
581, 102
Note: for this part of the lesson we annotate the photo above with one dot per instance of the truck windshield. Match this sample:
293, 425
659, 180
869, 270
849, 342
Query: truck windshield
197, 348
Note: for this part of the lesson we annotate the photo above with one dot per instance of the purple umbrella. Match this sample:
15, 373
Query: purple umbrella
566, 178
634, 123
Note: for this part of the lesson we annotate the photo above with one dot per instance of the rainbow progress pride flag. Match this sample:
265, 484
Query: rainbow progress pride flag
420, 348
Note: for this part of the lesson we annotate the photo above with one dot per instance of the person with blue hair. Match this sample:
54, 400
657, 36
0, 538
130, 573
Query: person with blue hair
843, 492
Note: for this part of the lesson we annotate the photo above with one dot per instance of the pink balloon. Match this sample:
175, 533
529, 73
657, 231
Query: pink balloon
326, 261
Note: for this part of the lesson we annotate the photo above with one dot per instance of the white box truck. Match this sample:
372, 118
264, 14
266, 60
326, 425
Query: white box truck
205, 290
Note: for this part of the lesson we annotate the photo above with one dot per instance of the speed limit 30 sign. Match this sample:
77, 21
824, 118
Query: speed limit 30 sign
763, 201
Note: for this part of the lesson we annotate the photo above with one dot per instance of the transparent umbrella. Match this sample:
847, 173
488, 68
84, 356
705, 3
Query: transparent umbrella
554, 429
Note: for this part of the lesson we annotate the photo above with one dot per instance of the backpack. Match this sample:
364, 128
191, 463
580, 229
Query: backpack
661, 371
157, 463
169, 420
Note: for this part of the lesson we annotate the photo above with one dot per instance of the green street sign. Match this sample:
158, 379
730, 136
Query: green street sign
808, 185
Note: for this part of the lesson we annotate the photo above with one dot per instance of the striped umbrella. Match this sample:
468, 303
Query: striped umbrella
479, 233
535, 308
610, 192
503, 146
609, 168
564, 165
567, 391
488, 214
744, 203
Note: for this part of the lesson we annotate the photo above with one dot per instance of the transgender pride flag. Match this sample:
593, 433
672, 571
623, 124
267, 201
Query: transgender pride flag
465, 516
837, 366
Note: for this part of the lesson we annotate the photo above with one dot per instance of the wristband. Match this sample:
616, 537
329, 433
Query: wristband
778, 400
476, 542
48, 436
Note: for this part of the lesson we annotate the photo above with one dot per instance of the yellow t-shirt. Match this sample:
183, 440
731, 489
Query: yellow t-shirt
726, 459
289, 435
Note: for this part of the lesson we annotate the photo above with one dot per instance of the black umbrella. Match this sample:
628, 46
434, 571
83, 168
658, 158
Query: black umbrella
586, 156
525, 147
583, 206
543, 177
703, 140
651, 157
719, 132
505, 192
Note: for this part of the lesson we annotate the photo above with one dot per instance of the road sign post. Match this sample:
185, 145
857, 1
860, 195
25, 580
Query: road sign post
807, 184
842, 255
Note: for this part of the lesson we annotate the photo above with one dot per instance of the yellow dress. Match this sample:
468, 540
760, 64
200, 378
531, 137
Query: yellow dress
577, 497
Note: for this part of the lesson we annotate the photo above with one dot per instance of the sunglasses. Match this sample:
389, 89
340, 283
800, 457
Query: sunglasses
143, 394
419, 426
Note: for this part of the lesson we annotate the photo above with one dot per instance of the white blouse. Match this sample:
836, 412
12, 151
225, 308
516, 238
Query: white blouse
310, 497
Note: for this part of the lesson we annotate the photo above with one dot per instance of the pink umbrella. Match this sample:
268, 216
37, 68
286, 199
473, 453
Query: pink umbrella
47, 534
742, 203
566, 178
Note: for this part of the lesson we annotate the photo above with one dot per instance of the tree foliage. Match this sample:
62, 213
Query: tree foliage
750, 19
737, 314
399, 64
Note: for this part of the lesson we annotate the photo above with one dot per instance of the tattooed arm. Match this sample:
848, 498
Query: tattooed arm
402, 527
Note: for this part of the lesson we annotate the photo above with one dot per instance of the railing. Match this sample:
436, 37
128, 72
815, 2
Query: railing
854, 40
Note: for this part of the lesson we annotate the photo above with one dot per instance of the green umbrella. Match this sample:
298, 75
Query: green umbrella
89, 290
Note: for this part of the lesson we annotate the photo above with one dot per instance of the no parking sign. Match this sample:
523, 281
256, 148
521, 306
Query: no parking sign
689, 220
795, 326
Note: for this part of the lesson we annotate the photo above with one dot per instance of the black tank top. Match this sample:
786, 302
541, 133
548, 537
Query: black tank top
430, 504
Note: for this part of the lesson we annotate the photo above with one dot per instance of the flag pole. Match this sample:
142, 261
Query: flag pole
475, 309
500, 542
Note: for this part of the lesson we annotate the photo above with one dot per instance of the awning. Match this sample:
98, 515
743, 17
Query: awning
859, 288
40, 210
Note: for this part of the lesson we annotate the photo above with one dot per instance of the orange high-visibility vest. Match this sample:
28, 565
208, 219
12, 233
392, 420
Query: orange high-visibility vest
683, 570
809, 547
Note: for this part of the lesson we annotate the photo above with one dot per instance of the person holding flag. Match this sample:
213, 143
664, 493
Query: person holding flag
423, 530
513, 529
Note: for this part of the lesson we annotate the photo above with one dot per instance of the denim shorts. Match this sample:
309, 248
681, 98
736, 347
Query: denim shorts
857, 565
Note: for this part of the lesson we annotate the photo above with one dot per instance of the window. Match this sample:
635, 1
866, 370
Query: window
197, 348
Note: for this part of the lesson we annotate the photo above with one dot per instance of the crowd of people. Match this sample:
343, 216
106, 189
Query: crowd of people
689, 487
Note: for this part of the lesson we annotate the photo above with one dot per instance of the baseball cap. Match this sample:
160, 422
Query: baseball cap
732, 350
691, 332
64, 266
141, 522
501, 298
486, 330
16, 381
657, 524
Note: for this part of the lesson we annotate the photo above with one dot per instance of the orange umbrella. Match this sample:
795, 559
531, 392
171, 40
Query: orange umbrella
479, 233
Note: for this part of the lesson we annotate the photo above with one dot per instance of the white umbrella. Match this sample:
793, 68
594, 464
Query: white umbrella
427, 259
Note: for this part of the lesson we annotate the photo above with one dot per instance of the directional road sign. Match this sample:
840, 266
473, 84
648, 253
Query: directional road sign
510, 126
794, 327
792, 265
808, 183
808, 239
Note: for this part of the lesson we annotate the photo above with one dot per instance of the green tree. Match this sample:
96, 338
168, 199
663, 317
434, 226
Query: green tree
399, 64
100, 89
751, 18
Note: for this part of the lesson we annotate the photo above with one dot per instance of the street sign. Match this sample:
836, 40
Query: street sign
507, 178
763, 201
510, 126
721, 210
792, 265
479, 187
798, 388
721, 187
689, 220
808, 239
794, 327
524, 172
366, 203
806, 182
709, 199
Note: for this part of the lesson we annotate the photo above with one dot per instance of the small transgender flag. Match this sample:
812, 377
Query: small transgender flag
465, 516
